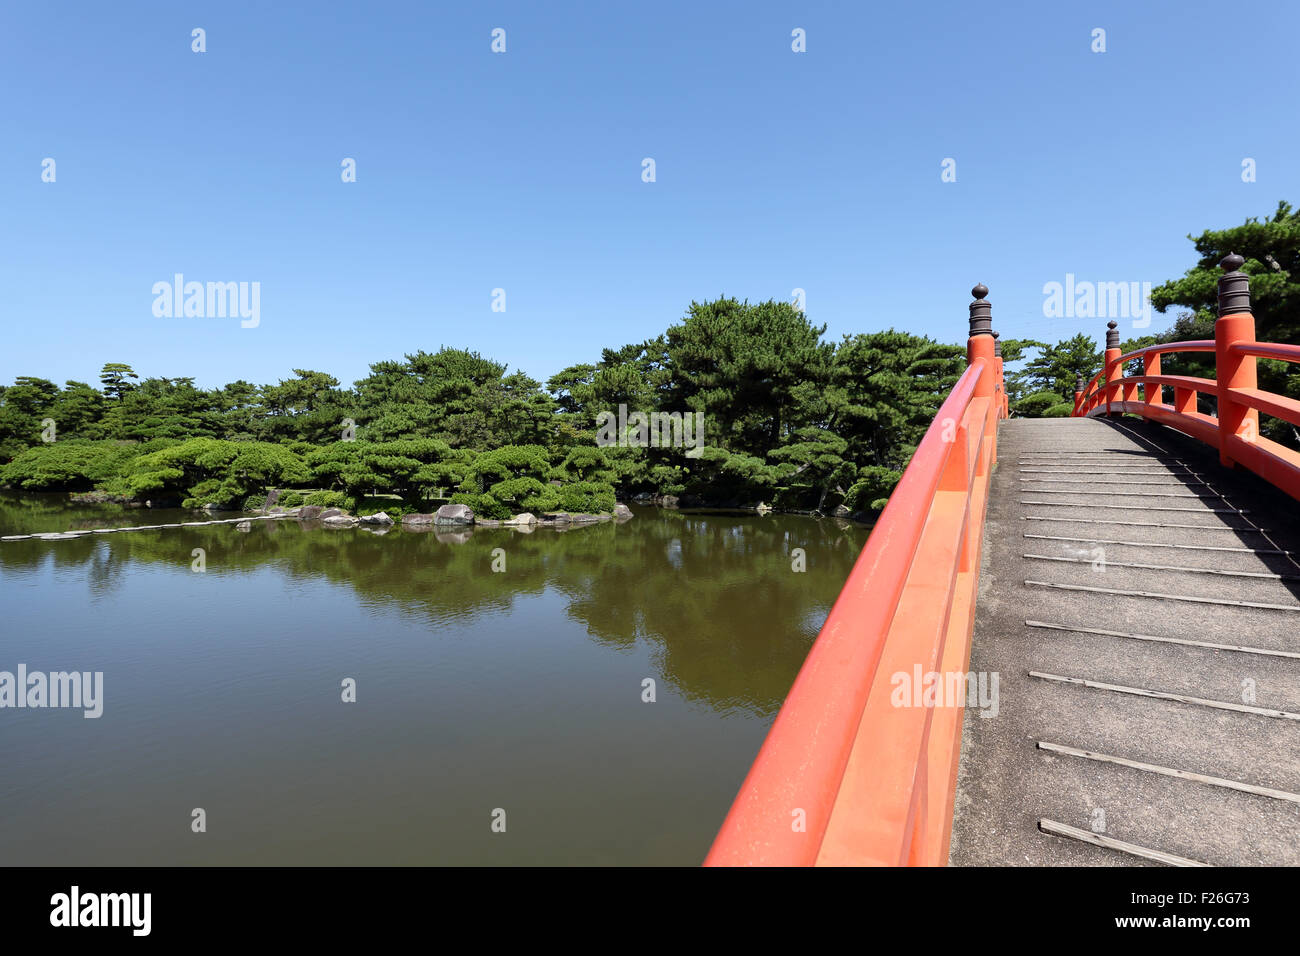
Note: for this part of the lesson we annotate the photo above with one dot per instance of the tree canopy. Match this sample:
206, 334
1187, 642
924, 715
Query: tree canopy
789, 417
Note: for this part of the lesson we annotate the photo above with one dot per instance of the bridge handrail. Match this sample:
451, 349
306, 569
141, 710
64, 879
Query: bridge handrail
1235, 430
803, 760
1267, 350
1192, 345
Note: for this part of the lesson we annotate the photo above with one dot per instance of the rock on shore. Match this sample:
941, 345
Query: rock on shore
454, 514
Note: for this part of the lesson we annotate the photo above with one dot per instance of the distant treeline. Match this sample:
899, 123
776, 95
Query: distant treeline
789, 419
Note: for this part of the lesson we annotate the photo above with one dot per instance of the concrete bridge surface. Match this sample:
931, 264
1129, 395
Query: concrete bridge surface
1122, 554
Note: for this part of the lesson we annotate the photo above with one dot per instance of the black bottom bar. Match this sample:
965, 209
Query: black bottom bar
336, 905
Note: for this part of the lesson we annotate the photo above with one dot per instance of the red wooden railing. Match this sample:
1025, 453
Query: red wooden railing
1234, 431
845, 776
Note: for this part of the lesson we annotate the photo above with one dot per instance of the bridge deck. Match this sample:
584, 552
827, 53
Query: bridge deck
1069, 498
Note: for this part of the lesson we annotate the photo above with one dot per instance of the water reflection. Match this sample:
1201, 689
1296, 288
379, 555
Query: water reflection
714, 594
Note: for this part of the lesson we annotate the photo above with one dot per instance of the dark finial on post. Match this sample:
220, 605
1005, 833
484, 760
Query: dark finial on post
997, 345
981, 312
1112, 335
1234, 287
1078, 381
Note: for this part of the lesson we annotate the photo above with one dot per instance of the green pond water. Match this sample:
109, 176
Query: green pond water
482, 696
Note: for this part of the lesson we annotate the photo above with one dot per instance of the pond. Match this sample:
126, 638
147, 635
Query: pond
500, 716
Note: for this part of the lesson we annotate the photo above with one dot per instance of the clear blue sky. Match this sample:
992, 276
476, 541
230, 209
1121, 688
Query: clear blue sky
775, 170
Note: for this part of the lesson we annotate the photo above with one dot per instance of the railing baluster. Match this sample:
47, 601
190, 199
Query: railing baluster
1236, 325
1235, 431
1152, 394
1114, 371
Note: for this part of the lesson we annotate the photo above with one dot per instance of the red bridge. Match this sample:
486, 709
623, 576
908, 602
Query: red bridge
1067, 641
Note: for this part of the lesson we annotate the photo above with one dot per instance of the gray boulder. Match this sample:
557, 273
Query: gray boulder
379, 517
340, 521
454, 514
622, 512
524, 518
416, 520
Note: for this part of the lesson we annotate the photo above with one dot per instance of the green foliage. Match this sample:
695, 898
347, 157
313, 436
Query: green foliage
393, 507
512, 461
113, 377
211, 471
1036, 405
586, 463
526, 494
884, 391
872, 489
1271, 249
815, 462
728, 477
65, 466
453, 395
1048, 379
586, 497
788, 418
483, 505
309, 406
744, 366
1272, 252
326, 499
408, 468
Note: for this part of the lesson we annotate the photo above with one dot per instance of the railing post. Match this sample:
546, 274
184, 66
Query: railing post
1152, 394
1236, 324
980, 345
1078, 392
1113, 371
1001, 379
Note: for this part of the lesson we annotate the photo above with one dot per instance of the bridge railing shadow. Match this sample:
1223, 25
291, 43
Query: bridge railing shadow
1270, 526
1234, 431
